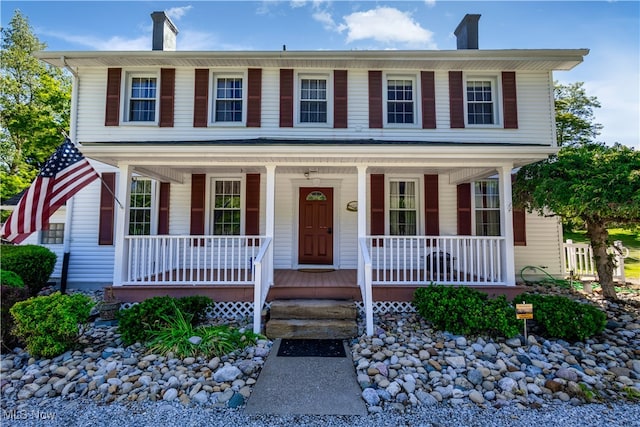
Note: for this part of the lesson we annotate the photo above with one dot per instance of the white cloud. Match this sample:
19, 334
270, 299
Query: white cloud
176, 13
386, 25
142, 42
326, 20
430, 3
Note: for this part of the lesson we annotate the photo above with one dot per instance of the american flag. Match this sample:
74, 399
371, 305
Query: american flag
65, 173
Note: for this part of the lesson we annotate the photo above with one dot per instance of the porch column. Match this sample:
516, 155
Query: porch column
270, 214
362, 216
506, 225
121, 252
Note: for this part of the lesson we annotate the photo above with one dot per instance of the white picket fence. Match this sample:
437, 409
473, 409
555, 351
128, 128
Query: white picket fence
578, 260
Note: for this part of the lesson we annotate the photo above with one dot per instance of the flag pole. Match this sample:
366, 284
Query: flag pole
101, 179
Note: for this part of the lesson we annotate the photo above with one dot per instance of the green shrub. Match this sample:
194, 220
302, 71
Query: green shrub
10, 279
462, 310
216, 340
562, 317
49, 325
135, 323
12, 290
33, 263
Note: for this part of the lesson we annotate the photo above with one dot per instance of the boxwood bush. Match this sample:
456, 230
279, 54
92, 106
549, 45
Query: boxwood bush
34, 264
50, 325
562, 317
462, 310
12, 290
135, 323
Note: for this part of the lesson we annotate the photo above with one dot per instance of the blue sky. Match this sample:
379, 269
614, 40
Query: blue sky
611, 30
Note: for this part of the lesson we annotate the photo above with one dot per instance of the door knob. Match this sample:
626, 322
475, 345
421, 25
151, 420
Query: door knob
329, 230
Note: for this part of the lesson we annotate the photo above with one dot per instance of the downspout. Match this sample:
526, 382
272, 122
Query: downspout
73, 120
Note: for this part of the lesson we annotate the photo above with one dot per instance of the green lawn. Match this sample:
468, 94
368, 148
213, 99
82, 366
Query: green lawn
630, 239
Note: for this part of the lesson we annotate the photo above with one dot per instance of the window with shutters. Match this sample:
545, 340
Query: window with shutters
227, 209
487, 207
314, 100
229, 99
140, 207
481, 96
53, 235
403, 210
400, 101
142, 98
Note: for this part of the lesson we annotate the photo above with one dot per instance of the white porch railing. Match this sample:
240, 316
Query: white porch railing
263, 281
578, 260
438, 259
365, 285
191, 259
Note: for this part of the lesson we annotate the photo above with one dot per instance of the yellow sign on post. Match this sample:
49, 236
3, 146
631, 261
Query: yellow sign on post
524, 311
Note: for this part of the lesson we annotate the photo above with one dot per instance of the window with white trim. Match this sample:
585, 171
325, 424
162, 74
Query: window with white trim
142, 95
487, 207
53, 235
140, 207
313, 101
481, 101
403, 209
400, 100
227, 209
228, 99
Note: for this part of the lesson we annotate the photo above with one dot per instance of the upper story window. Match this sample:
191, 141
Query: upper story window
228, 99
140, 207
142, 94
53, 235
487, 207
481, 101
403, 210
400, 106
313, 102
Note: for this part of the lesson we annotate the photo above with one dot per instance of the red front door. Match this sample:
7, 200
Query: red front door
315, 241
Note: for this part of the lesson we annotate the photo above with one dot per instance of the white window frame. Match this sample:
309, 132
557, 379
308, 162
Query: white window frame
475, 208
212, 96
416, 94
496, 98
44, 234
418, 203
153, 225
126, 105
211, 202
328, 77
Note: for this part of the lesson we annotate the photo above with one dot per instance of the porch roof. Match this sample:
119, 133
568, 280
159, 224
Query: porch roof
168, 160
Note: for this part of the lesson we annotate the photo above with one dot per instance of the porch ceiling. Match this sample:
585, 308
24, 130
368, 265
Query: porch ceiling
302, 157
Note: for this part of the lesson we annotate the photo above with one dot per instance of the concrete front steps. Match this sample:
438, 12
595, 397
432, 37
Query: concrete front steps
312, 319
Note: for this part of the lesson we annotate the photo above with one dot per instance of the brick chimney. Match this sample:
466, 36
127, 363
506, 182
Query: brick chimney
467, 32
164, 32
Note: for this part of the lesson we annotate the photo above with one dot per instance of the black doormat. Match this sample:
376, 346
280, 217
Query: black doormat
311, 348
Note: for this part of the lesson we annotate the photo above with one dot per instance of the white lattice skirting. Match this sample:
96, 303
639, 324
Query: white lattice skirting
240, 309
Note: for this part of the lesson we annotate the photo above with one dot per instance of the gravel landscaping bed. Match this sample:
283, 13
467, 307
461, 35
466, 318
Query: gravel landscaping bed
410, 374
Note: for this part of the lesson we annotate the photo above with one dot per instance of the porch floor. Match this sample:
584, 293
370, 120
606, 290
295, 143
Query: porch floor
294, 284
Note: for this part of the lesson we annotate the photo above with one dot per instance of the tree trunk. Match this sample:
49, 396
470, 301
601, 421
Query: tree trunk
599, 235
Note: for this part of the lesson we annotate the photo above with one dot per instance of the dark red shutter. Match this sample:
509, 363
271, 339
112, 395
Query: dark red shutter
456, 99
428, 86
340, 99
201, 99
509, 100
375, 99
106, 219
254, 97
464, 209
112, 109
252, 206
163, 208
431, 209
167, 96
198, 182
286, 98
519, 227
377, 207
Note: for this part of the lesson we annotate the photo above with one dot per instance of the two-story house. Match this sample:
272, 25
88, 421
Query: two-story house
249, 176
